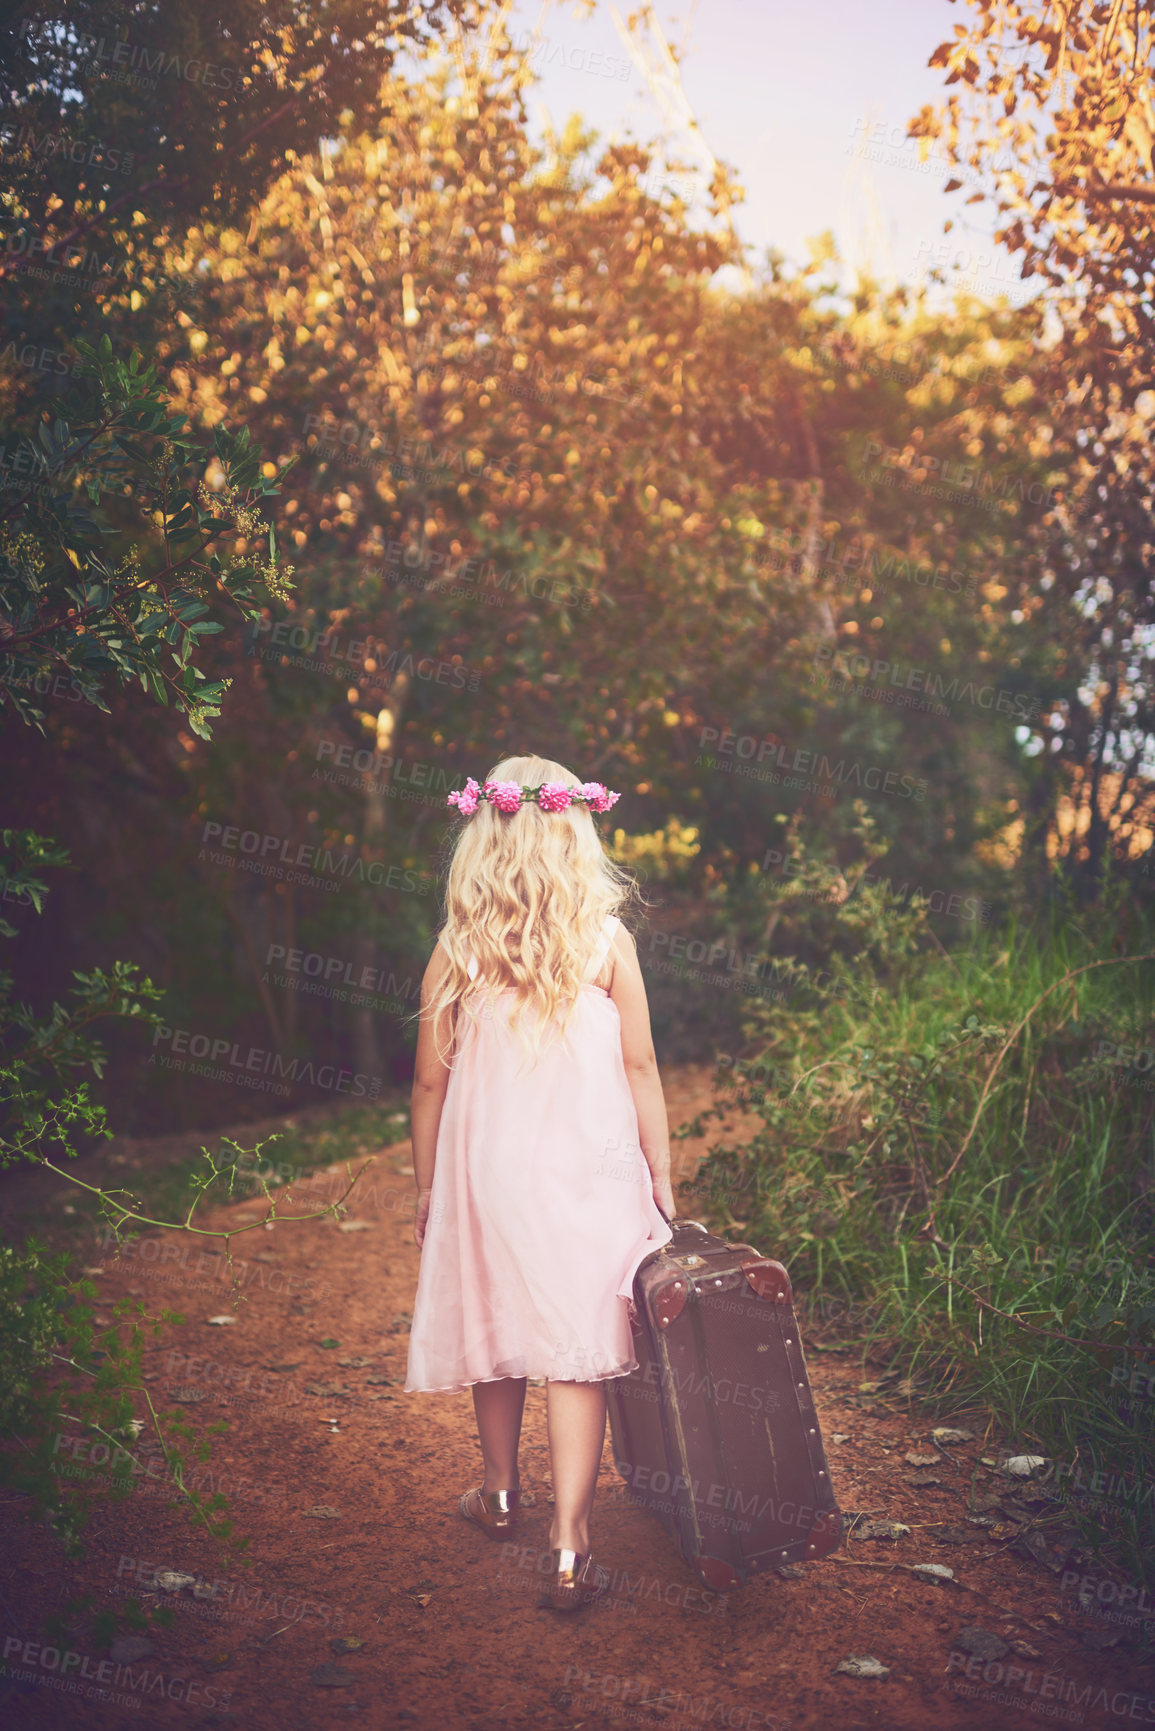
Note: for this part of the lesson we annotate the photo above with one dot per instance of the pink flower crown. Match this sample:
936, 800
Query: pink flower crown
510, 796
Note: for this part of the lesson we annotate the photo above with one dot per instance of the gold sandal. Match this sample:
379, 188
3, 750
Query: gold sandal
495, 1512
574, 1582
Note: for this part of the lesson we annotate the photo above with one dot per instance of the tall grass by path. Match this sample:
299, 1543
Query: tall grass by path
959, 1147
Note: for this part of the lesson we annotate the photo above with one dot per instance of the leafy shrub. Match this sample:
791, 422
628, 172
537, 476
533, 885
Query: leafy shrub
958, 1147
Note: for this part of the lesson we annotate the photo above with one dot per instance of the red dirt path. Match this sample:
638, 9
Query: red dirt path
450, 1630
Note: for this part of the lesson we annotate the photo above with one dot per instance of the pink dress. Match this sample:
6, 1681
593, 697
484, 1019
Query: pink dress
542, 1207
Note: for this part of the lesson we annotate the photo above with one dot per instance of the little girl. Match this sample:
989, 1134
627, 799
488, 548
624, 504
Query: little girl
540, 1144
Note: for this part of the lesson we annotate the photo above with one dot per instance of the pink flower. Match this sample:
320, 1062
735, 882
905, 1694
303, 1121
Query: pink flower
505, 795
596, 796
554, 796
466, 799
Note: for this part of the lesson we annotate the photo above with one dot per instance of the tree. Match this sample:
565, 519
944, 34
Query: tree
555, 487
91, 598
1054, 114
126, 121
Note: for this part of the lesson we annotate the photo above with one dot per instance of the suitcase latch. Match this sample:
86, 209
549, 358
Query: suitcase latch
691, 1261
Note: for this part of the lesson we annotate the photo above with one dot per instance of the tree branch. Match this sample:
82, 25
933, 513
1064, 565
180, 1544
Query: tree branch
1109, 190
8, 267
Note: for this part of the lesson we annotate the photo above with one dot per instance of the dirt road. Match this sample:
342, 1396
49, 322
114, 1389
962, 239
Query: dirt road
366, 1598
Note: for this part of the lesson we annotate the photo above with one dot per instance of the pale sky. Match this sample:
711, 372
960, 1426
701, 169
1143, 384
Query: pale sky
809, 103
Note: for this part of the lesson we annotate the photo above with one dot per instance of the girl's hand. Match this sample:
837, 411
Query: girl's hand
664, 1197
422, 1216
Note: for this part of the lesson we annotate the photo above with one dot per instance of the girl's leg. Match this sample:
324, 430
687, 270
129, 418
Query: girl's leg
576, 1417
498, 1408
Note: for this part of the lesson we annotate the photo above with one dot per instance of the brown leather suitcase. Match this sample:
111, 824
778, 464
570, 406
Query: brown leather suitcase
716, 1431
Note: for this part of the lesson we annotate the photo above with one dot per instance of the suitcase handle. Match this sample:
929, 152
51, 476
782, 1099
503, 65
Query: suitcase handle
672, 1220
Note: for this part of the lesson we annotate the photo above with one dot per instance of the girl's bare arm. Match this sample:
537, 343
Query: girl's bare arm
431, 1073
628, 991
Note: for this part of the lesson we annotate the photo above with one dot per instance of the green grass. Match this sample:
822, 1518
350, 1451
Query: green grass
1024, 1280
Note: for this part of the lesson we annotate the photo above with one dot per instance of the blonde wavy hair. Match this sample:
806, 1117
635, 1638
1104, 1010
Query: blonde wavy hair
526, 898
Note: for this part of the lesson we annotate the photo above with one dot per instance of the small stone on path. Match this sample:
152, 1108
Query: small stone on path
980, 1644
332, 1677
1024, 1466
864, 1666
872, 1529
127, 1649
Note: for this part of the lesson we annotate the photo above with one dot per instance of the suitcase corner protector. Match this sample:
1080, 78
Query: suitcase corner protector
669, 1301
769, 1280
719, 1575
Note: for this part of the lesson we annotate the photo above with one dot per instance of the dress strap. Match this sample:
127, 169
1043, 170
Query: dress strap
597, 960
470, 964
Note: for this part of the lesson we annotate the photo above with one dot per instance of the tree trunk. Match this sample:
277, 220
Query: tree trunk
366, 952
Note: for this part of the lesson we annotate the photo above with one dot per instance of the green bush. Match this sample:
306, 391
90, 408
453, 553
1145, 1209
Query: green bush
958, 1147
